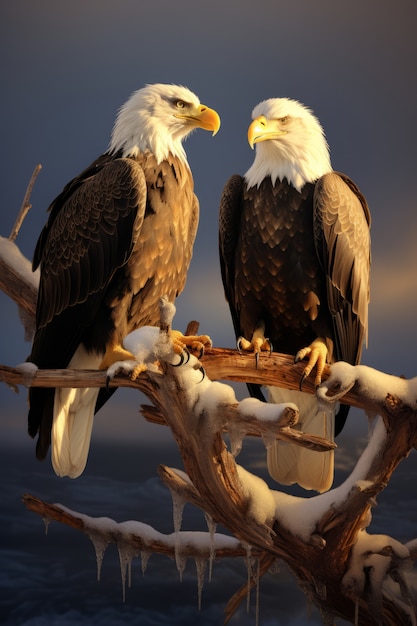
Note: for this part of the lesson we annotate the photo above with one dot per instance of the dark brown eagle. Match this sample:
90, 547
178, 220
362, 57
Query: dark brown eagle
295, 261
118, 238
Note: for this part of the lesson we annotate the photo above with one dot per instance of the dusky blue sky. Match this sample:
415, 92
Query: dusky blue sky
65, 70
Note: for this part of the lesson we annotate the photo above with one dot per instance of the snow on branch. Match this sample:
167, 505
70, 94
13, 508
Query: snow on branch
343, 569
316, 535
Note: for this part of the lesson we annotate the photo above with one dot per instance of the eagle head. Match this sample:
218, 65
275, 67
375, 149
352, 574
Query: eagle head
158, 118
290, 143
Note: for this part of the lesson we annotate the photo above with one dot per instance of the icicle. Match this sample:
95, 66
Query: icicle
211, 525
268, 439
178, 503
236, 436
129, 572
200, 564
248, 563
180, 561
258, 576
125, 558
46, 521
145, 555
100, 544
356, 612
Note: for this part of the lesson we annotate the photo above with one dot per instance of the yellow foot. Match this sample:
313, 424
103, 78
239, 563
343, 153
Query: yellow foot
194, 343
138, 369
257, 344
317, 354
115, 353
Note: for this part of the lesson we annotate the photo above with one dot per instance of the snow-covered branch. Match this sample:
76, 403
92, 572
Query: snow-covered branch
315, 536
141, 537
324, 539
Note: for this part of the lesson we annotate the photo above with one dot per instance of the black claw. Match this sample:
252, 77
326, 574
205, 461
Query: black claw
302, 379
108, 379
238, 342
271, 347
181, 360
203, 371
257, 359
201, 353
184, 358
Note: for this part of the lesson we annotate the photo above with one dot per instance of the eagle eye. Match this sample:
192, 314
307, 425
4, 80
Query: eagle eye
180, 104
283, 120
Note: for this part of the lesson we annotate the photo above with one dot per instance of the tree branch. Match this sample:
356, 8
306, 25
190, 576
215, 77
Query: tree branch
141, 536
334, 559
26, 206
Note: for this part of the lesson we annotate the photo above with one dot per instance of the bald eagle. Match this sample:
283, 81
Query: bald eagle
295, 260
118, 238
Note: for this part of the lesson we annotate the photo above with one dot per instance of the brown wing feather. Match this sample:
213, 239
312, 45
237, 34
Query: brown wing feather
229, 230
341, 229
89, 235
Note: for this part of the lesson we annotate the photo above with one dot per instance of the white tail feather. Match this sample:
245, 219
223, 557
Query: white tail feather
289, 463
73, 420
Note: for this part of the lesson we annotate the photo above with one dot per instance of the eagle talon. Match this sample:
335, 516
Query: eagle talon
189, 343
259, 343
316, 353
243, 344
182, 359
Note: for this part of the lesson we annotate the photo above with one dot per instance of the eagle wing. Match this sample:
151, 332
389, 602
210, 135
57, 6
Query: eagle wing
91, 231
229, 233
341, 231
229, 228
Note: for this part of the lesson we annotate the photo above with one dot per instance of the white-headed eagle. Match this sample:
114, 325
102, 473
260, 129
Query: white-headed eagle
118, 238
295, 261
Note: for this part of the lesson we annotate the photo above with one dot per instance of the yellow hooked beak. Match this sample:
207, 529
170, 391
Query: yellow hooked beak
204, 117
262, 129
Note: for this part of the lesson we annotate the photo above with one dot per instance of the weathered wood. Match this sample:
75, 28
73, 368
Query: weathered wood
164, 545
319, 561
10, 283
219, 364
249, 425
26, 206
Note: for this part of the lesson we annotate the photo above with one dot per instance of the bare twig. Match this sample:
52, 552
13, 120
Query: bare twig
26, 206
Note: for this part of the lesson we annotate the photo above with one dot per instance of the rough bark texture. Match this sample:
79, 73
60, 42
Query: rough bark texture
321, 561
